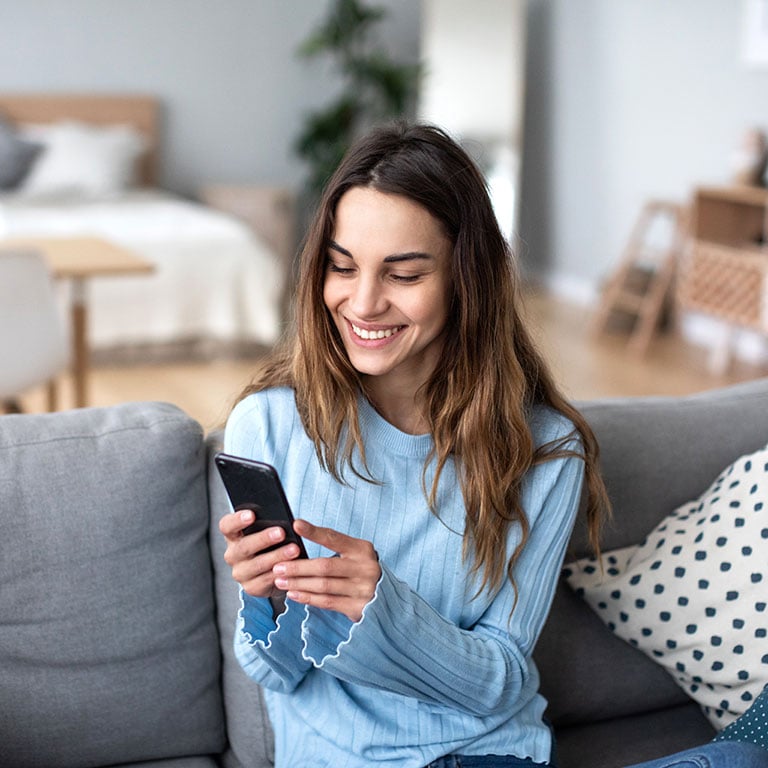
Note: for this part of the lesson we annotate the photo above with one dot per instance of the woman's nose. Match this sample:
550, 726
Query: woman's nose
367, 299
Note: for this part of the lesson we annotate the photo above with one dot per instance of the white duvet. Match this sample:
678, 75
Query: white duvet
213, 279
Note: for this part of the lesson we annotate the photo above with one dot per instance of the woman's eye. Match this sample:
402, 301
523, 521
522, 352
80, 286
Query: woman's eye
405, 278
332, 267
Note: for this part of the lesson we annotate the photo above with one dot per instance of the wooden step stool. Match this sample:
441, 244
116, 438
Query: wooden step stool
642, 284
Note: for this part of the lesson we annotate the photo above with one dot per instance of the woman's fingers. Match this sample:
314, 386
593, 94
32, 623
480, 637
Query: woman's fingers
331, 539
244, 568
345, 583
232, 525
251, 565
255, 574
324, 583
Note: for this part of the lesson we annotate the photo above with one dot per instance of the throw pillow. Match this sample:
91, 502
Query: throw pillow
81, 159
16, 156
693, 595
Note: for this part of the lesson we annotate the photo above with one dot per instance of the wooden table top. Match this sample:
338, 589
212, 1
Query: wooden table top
81, 257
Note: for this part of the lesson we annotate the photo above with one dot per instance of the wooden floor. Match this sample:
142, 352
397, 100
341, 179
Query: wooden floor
585, 367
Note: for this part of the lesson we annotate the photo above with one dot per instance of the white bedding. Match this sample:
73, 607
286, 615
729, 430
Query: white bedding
213, 279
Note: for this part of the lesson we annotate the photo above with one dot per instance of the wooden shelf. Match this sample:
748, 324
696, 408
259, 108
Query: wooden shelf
731, 216
725, 272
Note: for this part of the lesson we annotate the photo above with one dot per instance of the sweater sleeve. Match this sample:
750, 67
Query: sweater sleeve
402, 645
269, 652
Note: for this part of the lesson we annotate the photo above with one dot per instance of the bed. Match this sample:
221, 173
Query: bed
216, 285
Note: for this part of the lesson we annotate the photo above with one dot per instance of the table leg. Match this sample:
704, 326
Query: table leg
80, 361
52, 393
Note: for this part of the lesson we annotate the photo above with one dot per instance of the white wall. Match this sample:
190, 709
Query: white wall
626, 100
226, 71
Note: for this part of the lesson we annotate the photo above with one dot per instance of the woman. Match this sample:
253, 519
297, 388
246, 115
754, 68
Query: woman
436, 469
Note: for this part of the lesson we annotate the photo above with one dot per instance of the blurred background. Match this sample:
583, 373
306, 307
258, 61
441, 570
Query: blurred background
580, 113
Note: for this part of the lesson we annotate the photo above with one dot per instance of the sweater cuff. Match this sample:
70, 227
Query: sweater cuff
257, 626
269, 653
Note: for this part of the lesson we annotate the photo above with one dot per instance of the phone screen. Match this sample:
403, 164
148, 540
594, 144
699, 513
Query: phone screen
256, 486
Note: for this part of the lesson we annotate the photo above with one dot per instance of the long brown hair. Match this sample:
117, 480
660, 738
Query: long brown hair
479, 400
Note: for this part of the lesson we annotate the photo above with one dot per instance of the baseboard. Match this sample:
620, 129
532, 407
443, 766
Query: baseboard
571, 288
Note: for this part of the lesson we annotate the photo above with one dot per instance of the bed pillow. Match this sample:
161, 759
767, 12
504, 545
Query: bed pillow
83, 160
16, 156
693, 595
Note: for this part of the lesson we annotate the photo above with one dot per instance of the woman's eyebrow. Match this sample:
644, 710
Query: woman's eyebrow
393, 258
336, 247
409, 256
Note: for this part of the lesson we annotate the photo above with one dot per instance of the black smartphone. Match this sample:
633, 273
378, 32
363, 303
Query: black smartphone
256, 486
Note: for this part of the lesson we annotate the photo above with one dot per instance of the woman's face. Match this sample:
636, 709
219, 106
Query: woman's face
388, 287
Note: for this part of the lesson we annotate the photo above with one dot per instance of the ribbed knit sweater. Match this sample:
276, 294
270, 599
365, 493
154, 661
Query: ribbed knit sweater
428, 670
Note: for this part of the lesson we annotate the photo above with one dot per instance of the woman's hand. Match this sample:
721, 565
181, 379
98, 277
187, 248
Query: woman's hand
345, 583
252, 570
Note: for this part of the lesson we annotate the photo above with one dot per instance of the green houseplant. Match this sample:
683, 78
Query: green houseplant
375, 87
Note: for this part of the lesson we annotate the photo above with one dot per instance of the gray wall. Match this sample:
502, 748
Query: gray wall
226, 72
626, 100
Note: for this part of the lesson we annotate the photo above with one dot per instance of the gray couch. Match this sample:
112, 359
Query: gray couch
116, 610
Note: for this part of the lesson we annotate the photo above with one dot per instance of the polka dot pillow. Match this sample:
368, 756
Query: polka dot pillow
693, 595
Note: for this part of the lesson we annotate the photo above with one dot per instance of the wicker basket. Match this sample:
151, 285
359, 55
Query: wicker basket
729, 283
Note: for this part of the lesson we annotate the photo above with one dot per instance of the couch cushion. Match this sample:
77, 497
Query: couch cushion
693, 595
588, 674
628, 740
197, 761
251, 742
109, 648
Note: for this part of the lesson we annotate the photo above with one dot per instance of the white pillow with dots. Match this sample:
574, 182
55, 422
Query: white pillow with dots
693, 595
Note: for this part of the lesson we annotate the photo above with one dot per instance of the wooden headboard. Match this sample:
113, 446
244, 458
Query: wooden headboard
139, 111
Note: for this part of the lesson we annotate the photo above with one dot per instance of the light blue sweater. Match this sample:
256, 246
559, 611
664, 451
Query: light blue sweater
427, 671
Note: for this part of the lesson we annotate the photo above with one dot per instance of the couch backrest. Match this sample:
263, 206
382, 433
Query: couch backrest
659, 452
656, 454
109, 649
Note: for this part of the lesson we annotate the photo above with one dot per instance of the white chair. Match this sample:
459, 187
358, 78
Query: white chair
33, 344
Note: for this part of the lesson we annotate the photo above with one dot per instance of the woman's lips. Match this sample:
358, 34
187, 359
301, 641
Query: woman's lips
373, 336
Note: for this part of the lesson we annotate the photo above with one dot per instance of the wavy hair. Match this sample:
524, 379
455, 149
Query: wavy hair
479, 399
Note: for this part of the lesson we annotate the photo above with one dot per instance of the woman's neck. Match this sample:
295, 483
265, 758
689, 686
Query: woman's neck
402, 409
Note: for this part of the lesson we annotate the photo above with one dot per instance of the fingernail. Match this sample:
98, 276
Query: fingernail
246, 516
281, 583
279, 568
276, 534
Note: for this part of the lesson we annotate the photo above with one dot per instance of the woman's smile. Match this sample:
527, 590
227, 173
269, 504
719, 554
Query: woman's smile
374, 334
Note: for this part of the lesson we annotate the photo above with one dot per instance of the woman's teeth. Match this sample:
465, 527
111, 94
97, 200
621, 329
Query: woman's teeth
365, 334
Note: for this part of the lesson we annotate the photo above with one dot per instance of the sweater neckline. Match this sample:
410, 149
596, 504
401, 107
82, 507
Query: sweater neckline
378, 430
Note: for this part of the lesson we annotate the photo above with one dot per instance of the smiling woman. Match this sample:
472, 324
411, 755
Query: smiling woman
435, 469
